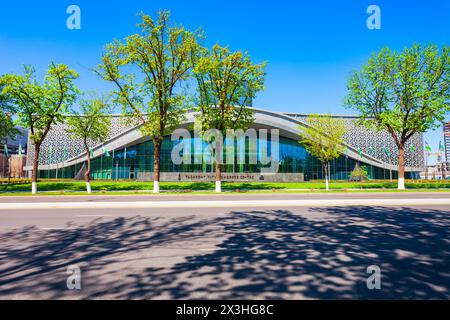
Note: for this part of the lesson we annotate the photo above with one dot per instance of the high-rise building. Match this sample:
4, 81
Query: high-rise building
447, 141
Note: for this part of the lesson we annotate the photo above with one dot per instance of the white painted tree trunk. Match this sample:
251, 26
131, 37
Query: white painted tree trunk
88, 187
401, 183
34, 188
155, 186
326, 176
218, 186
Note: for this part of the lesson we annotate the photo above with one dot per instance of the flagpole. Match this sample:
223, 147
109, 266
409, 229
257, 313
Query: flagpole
9, 170
124, 162
101, 166
4, 164
49, 165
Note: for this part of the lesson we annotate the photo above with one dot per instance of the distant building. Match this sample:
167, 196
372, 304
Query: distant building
12, 165
17, 164
447, 141
21, 139
439, 171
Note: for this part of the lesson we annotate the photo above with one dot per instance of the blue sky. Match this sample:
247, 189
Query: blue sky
310, 46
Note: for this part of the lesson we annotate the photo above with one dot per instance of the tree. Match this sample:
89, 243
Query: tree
404, 93
7, 128
323, 137
40, 106
90, 124
360, 173
227, 82
161, 56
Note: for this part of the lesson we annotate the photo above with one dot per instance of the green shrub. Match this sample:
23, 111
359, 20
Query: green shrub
359, 174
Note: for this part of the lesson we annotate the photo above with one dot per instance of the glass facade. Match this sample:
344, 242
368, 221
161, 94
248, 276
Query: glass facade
136, 162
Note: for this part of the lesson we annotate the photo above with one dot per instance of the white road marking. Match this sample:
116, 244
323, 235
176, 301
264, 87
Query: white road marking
93, 215
223, 204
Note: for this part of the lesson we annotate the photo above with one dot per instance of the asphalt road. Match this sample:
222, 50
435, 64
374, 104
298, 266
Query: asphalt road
229, 251
228, 197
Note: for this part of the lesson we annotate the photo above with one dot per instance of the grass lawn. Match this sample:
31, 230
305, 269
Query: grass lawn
128, 187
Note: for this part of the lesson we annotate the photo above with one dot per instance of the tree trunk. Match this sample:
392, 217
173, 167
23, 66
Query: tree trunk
326, 176
218, 178
156, 161
88, 169
401, 167
37, 149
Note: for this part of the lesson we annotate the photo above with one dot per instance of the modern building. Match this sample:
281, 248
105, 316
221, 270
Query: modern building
127, 154
21, 139
447, 141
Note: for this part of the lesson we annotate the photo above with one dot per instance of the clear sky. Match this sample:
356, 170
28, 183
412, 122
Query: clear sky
310, 46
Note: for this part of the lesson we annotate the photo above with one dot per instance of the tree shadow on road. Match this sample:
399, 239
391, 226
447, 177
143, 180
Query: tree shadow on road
259, 254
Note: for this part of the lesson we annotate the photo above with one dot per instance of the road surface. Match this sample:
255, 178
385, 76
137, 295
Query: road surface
254, 246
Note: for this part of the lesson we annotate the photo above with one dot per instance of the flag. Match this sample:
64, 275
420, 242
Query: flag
64, 154
6, 150
125, 153
371, 151
105, 151
441, 146
20, 151
427, 147
386, 151
360, 153
413, 149
91, 152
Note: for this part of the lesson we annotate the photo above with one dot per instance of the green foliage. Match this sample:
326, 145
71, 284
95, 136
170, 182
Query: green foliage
360, 173
323, 136
91, 122
227, 82
404, 93
149, 70
39, 106
7, 128
47, 185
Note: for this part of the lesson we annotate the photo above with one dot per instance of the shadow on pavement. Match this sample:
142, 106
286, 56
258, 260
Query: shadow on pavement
258, 254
